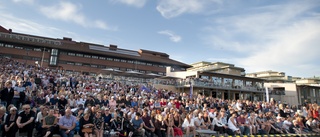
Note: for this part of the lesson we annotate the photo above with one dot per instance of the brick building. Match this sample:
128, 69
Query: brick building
82, 57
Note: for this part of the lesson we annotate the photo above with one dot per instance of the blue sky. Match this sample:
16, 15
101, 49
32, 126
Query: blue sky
259, 35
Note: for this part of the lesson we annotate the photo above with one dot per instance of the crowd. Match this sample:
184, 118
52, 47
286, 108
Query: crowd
53, 102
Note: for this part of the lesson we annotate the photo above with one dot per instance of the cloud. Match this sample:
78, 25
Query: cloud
24, 1
69, 12
280, 37
174, 8
173, 37
134, 3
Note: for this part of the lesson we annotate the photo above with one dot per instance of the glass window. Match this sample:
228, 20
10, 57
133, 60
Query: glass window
95, 57
1, 44
123, 60
37, 49
71, 54
94, 66
79, 55
103, 58
149, 64
117, 60
53, 60
87, 56
78, 64
130, 61
110, 59
54, 52
70, 63
9, 46
18, 47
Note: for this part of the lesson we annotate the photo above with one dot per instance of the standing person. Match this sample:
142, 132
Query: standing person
98, 122
25, 120
7, 94
10, 126
67, 123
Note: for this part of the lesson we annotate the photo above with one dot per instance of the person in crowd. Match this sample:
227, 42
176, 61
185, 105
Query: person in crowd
232, 123
49, 124
39, 119
6, 94
98, 121
138, 124
160, 126
10, 126
242, 124
86, 125
67, 123
25, 120
188, 125
148, 124
169, 121
252, 122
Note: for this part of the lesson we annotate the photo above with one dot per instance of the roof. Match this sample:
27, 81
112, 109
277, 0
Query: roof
229, 75
96, 49
2, 29
267, 71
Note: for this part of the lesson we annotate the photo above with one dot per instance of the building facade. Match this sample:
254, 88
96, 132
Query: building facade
82, 57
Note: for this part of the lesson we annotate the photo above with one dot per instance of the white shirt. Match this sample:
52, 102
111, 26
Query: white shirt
286, 124
187, 124
198, 121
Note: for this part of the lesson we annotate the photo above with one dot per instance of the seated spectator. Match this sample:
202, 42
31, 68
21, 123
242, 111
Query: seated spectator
10, 126
188, 125
49, 124
86, 125
148, 124
25, 121
98, 121
160, 126
67, 123
137, 123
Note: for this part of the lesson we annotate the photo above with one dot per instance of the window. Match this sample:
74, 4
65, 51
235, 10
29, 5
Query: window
149, 64
54, 52
129, 69
79, 55
1, 44
78, 64
142, 63
102, 66
9, 46
155, 65
110, 59
37, 49
103, 58
70, 63
95, 57
117, 60
63, 53
130, 61
86, 65
123, 60
94, 66
142, 71
71, 54
87, 56
18, 47
53, 60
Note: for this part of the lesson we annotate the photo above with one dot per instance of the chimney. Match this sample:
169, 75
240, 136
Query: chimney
113, 47
10, 30
67, 39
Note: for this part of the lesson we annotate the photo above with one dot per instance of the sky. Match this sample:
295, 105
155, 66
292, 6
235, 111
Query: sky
258, 35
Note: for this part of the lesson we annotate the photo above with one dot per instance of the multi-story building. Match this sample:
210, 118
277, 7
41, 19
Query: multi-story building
218, 67
83, 57
206, 78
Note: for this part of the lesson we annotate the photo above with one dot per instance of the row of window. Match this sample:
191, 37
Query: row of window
111, 59
30, 39
103, 67
21, 47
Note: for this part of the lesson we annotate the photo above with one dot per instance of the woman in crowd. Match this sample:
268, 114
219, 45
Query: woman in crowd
188, 125
10, 126
86, 125
253, 123
169, 123
160, 126
71, 101
49, 124
177, 124
98, 121
232, 123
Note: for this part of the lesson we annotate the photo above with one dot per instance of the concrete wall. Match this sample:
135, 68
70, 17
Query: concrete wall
290, 97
